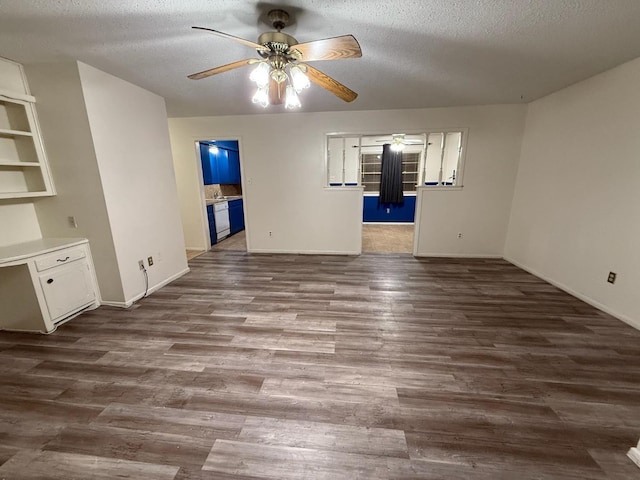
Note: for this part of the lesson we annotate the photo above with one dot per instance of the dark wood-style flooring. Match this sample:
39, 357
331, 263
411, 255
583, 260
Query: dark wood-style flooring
327, 367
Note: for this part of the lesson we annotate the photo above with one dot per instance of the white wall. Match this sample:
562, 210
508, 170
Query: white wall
67, 139
480, 209
131, 140
283, 162
576, 209
18, 222
108, 146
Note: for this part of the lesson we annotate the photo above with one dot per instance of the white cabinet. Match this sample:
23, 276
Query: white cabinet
67, 289
45, 283
24, 171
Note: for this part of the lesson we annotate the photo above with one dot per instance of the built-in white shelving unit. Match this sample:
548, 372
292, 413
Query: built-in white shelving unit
24, 171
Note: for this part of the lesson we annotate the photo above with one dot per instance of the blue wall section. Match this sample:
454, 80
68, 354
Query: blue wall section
374, 211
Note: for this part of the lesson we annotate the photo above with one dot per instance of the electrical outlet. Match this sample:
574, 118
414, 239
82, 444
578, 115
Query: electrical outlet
612, 277
141, 264
460, 235
150, 260
271, 234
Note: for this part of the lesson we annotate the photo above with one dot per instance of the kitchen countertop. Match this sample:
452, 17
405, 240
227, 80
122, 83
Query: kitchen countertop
211, 201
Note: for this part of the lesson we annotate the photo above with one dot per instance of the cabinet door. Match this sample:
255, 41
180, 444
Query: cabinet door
236, 216
205, 159
67, 289
222, 163
234, 167
212, 225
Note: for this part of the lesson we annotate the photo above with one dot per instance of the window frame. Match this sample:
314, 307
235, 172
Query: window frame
422, 170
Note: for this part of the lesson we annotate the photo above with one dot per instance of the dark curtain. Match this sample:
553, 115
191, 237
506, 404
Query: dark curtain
391, 178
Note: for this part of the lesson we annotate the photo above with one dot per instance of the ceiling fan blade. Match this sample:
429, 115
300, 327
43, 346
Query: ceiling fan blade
248, 43
328, 83
276, 92
220, 69
334, 48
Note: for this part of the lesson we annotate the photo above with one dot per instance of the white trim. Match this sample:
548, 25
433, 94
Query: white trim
9, 95
156, 287
389, 223
304, 252
417, 215
439, 187
634, 454
594, 303
458, 255
341, 188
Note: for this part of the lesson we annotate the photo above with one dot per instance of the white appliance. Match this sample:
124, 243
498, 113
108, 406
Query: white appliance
221, 215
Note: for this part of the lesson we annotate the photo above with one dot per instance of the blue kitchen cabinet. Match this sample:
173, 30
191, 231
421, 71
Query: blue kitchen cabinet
374, 211
212, 225
223, 167
236, 215
226, 167
207, 165
220, 162
234, 167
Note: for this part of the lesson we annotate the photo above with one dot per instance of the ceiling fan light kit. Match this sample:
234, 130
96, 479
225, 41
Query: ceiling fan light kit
281, 74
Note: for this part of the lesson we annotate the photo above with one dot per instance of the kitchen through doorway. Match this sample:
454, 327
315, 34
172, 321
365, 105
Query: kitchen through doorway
222, 194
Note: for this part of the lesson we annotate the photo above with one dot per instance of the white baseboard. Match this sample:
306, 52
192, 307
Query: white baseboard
303, 252
634, 455
152, 289
457, 255
594, 303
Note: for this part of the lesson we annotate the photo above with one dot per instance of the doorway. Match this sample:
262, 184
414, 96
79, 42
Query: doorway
222, 194
387, 238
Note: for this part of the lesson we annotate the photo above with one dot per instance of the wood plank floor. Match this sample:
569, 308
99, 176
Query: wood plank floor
327, 367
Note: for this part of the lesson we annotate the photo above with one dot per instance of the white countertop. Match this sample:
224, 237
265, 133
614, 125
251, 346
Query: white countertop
21, 251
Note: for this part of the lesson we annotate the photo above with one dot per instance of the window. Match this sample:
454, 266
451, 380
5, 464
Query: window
432, 159
343, 163
443, 159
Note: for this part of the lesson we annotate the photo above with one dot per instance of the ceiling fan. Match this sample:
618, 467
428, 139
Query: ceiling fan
399, 141
282, 72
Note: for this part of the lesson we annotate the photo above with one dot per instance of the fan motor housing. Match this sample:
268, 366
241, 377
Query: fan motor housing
276, 37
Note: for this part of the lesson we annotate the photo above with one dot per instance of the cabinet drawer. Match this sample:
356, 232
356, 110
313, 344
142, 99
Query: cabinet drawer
61, 257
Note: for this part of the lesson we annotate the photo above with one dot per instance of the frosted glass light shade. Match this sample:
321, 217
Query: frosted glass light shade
299, 79
261, 96
260, 75
291, 100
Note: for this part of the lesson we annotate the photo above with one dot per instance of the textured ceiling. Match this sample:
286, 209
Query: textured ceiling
416, 53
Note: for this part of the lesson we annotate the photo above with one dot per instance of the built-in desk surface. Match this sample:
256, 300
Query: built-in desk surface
20, 252
45, 283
